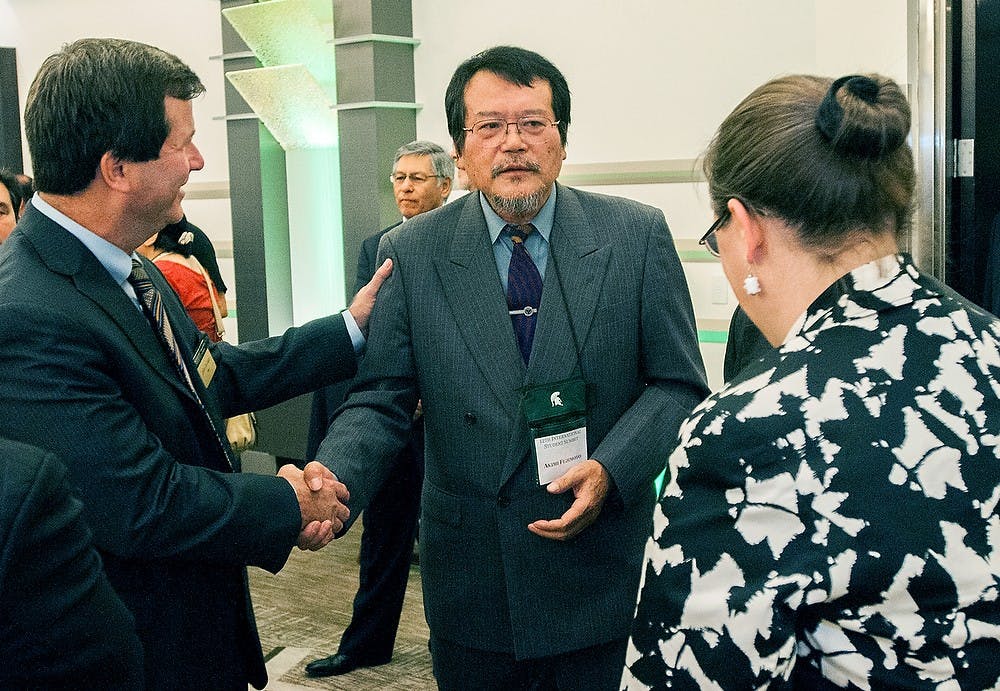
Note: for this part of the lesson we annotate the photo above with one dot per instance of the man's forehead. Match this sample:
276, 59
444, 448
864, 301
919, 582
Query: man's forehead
414, 161
483, 83
179, 113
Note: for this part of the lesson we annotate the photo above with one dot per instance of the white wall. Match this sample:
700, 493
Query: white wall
651, 80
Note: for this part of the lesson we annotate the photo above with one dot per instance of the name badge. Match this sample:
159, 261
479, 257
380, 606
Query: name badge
557, 453
204, 361
557, 419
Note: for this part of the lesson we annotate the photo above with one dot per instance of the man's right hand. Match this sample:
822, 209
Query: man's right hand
322, 500
363, 303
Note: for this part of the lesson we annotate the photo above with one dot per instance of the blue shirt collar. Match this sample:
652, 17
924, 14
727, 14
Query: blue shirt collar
112, 258
542, 221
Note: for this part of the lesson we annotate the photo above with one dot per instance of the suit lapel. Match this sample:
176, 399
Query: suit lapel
574, 277
472, 287
66, 255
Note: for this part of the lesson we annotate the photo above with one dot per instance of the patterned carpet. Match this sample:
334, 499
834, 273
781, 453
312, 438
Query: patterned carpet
303, 610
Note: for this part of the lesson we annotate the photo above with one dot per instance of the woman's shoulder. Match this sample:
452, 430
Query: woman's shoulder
179, 275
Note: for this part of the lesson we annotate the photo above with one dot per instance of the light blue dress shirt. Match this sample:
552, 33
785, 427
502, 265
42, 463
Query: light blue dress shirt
536, 245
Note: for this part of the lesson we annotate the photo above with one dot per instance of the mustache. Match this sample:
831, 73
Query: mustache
515, 164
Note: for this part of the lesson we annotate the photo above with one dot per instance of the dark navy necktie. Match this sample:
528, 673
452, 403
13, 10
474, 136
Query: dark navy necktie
524, 289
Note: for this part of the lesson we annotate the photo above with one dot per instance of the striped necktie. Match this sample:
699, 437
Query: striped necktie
152, 304
524, 289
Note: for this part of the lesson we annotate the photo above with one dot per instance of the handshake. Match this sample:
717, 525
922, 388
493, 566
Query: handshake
322, 501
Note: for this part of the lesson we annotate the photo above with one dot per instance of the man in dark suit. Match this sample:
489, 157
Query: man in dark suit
421, 181
527, 582
61, 624
103, 367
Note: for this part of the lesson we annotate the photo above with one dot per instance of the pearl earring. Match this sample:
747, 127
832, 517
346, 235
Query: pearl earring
751, 284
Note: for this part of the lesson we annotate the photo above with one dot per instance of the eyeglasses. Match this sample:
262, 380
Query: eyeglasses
709, 240
415, 178
527, 126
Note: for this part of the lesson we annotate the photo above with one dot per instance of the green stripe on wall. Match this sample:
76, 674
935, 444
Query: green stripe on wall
707, 336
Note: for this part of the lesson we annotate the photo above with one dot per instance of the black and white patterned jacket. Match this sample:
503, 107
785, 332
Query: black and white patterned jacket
829, 518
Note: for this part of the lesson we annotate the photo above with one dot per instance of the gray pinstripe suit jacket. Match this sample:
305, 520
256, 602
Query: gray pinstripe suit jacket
440, 331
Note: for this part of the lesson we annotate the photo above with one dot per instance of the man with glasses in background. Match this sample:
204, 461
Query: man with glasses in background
550, 336
421, 181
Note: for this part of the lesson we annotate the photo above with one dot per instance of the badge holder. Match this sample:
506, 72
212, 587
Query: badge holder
557, 420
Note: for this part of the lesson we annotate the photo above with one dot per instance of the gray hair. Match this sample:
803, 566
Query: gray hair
441, 161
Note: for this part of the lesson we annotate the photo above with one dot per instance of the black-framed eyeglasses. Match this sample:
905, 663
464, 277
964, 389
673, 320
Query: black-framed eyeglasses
497, 128
415, 178
709, 240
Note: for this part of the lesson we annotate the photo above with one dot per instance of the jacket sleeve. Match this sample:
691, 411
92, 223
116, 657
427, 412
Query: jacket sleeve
374, 423
635, 450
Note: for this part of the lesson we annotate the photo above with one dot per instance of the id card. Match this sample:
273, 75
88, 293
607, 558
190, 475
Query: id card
557, 453
204, 361
557, 420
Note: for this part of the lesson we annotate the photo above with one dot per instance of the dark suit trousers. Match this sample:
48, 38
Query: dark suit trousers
390, 521
390, 528
458, 668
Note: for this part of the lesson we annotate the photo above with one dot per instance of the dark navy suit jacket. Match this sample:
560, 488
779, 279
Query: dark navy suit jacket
86, 377
61, 624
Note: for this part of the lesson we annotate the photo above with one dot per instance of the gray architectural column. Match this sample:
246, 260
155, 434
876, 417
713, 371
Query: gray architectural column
10, 111
376, 114
259, 210
258, 203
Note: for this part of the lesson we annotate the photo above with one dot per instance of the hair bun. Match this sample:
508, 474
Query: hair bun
868, 128
864, 88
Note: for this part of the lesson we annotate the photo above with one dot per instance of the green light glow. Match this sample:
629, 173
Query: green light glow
316, 242
292, 94
711, 336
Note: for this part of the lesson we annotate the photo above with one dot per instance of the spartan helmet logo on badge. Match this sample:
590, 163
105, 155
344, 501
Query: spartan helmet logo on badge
555, 399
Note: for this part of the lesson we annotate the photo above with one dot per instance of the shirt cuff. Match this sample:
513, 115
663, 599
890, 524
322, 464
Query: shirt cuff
357, 338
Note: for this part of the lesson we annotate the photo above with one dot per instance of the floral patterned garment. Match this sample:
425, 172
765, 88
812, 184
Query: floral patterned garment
830, 516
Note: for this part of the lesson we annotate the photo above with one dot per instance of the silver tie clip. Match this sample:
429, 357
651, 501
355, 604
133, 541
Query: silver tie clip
527, 311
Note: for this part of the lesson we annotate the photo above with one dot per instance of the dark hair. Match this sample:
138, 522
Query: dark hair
169, 239
27, 186
9, 180
828, 158
516, 65
100, 95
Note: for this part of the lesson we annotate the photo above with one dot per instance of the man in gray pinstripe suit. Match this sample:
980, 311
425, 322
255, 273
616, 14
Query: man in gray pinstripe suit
525, 585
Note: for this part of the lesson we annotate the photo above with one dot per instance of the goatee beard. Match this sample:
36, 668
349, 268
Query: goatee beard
525, 206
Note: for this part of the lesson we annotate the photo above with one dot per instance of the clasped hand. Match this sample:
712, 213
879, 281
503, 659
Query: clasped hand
322, 501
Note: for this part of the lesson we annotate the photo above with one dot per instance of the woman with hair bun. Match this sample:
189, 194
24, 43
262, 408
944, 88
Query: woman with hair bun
829, 518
